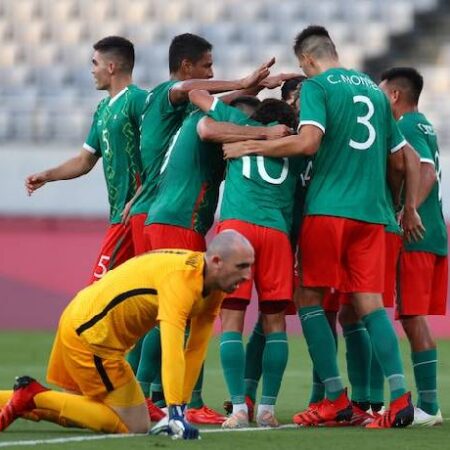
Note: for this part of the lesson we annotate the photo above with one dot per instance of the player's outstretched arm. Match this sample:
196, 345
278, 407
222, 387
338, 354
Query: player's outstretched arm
225, 132
72, 168
307, 143
195, 352
428, 178
180, 91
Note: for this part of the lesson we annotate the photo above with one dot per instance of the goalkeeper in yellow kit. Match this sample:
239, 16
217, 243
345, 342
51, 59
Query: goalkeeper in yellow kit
106, 319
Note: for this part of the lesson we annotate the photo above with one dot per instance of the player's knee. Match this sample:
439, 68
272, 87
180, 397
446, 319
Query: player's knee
140, 426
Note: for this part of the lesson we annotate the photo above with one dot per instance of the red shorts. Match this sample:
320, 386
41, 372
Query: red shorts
137, 230
342, 253
273, 271
332, 300
393, 247
117, 248
159, 235
422, 287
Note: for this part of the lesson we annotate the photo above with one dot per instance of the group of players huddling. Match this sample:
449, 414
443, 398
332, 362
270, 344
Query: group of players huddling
352, 196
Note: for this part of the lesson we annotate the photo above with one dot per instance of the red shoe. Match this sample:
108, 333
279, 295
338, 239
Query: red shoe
301, 416
326, 411
25, 388
155, 413
399, 415
204, 416
361, 418
228, 407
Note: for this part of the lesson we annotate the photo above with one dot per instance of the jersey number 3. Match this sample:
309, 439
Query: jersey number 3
364, 120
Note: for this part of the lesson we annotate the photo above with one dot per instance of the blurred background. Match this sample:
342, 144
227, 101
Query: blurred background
48, 242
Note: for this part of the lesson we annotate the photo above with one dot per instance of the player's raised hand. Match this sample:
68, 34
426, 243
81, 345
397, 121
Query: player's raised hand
179, 427
255, 78
412, 226
243, 148
35, 181
278, 131
273, 81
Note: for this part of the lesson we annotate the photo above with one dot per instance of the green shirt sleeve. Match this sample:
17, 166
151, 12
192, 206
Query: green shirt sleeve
313, 105
92, 142
395, 137
138, 106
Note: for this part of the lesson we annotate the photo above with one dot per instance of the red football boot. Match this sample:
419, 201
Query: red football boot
338, 410
300, 417
400, 414
204, 416
22, 401
155, 413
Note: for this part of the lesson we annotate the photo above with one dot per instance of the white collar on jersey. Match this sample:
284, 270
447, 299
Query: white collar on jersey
119, 94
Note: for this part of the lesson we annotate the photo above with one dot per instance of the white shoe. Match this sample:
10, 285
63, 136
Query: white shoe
267, 419
423, 419
239, 419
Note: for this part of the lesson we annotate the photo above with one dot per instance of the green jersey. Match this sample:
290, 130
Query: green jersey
392, 225
114, 135
359, 132
257, 189
191, 174
420, 134
160, 121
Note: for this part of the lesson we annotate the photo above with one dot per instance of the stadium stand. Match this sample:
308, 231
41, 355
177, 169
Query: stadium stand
46, 48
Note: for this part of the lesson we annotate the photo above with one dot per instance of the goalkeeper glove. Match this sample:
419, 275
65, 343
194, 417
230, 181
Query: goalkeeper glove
179, 427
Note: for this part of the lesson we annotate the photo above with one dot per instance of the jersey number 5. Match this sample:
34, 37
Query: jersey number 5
364, 120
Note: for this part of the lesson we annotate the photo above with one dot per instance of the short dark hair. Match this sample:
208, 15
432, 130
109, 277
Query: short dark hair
120, 48
315, 40
274, 110
407, 79
291, 85
247, 100
187, 46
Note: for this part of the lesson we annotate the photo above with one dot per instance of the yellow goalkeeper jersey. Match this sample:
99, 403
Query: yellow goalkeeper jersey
163, 285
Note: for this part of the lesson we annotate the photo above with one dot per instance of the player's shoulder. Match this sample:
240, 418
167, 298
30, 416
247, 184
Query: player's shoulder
136, 91
179, 259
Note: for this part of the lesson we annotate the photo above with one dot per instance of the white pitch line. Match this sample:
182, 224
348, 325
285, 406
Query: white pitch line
124, 436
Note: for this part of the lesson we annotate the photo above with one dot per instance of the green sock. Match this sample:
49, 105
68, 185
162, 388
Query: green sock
425, 374
322, 348
274, 363
134, 355
358, 356
196, 399
318, 389
376, 381
387, 351
233, 362
253, 360
150, 362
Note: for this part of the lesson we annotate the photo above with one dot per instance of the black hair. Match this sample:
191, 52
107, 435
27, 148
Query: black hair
187, 46
316, 40
274, 110
407, 79
291, 85
246, 100
120, 48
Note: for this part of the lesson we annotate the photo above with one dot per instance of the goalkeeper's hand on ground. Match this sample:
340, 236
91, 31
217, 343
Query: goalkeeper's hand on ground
179, 427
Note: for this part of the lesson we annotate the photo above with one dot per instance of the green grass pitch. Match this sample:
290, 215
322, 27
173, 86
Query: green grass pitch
27, 353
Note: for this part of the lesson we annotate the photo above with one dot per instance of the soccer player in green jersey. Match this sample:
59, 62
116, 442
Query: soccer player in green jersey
346, 121
114, 136
423, 265
190, 66
267, 185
